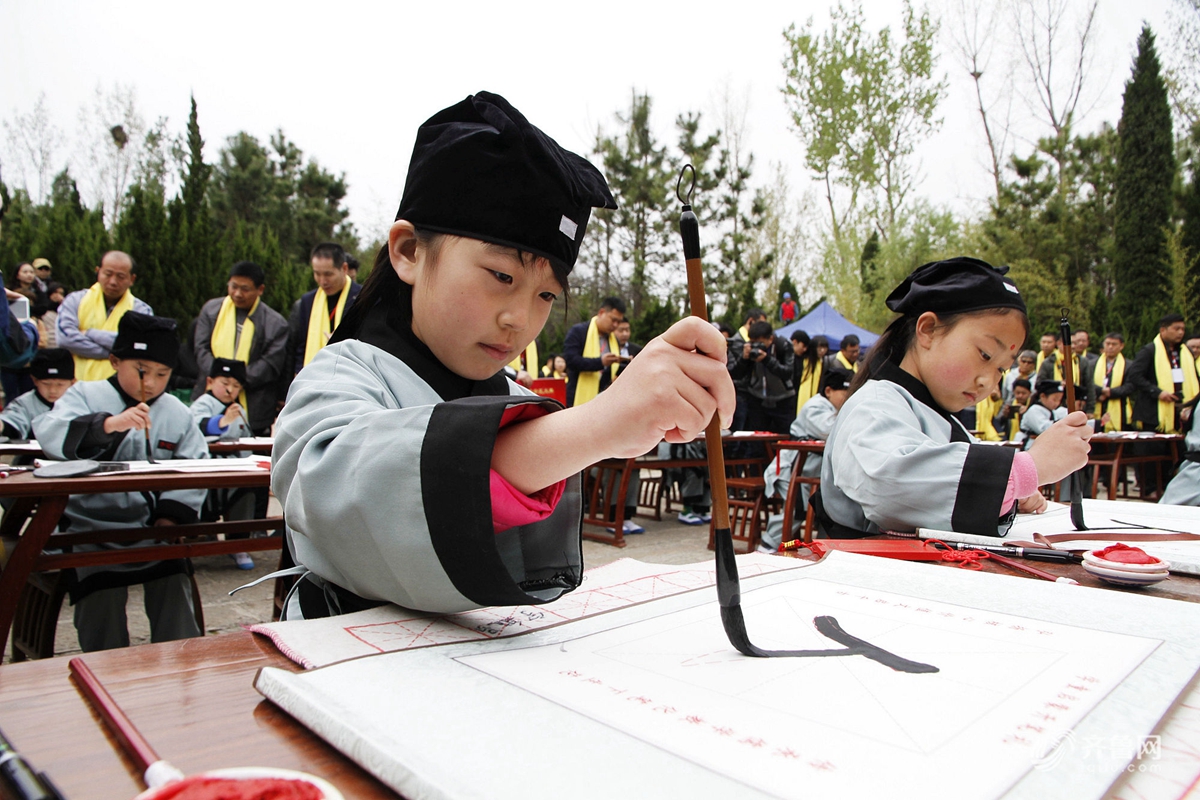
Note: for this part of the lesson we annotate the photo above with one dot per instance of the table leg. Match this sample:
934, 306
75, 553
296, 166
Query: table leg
1114, 471
15, 518
20, 563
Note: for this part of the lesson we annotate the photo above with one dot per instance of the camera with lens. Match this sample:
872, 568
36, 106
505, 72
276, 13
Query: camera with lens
758, 347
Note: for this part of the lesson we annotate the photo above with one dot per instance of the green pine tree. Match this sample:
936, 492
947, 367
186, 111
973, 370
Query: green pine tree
1145, 173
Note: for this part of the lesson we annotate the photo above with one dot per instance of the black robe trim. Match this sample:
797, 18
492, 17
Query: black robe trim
890, 372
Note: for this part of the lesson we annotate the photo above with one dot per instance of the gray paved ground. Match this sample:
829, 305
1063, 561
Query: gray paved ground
665, 542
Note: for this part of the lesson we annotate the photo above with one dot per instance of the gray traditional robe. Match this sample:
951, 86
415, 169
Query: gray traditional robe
220, 502
1184, 488
207, 406
20, 414
1038, 419
75, 429
896, 461
381, 462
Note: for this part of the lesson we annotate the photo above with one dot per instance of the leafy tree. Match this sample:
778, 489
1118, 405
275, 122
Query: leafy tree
1145, 172
639, 174
860, 104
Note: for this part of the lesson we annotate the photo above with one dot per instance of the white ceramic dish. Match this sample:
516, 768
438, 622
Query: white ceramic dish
328, 791
1126, 577
1159, 565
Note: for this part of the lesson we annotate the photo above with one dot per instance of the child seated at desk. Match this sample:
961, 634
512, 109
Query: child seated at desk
897, 458
813, 423
107, 420
409, 468
53, 372
219, 412
1046, 409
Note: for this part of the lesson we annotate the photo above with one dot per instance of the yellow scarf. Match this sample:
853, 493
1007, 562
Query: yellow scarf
224, 334
531, 359
744, 332
1162, 374
587, 384
1118, 410
985, 410
319, 329
93, 315
1058, 373
850, 367
1014, 423
810, 381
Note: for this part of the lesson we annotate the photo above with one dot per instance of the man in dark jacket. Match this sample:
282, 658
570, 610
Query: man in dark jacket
220, 328
765, 365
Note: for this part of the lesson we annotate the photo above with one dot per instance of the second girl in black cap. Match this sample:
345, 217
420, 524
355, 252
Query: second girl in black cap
897, 458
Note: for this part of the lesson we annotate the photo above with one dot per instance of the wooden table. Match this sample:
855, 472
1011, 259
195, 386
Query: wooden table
192, 699
1176, 587
1108, 450
258, 448
41, 502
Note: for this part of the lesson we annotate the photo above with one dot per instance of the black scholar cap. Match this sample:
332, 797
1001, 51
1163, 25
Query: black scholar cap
228, 368
479, 169
53, 363
147, 337
955, 286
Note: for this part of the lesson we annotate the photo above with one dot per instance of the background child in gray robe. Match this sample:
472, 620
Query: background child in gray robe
106, 420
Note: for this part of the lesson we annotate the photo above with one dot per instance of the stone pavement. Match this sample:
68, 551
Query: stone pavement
665, 542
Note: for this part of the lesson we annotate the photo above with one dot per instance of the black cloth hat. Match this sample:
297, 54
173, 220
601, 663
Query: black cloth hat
480, 169
53, 363
147, 337
955, 286
1047, 386
228, 368
835, 379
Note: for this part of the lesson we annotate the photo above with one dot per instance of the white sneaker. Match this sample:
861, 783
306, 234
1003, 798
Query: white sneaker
633, 527
705, 516
762, 548
243, 560
689, 518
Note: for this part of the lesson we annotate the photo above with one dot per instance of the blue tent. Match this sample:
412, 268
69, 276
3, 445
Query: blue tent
824, 320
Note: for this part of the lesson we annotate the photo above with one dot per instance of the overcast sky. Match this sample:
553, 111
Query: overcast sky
350, 81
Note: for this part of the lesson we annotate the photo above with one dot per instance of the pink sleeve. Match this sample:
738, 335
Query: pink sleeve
1022, 481
511, 508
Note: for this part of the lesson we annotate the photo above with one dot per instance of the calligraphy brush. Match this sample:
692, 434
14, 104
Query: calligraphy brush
1075, 480
155, 771
142, 385
729, 593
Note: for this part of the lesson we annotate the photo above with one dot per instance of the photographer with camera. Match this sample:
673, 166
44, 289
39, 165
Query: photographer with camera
765, 364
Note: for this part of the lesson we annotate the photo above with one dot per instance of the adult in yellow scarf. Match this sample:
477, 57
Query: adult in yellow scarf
593, 353
87, 319
1048, 343
316, 315
1165, 376
846, 358
806, 368
241, 327
1112, 389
